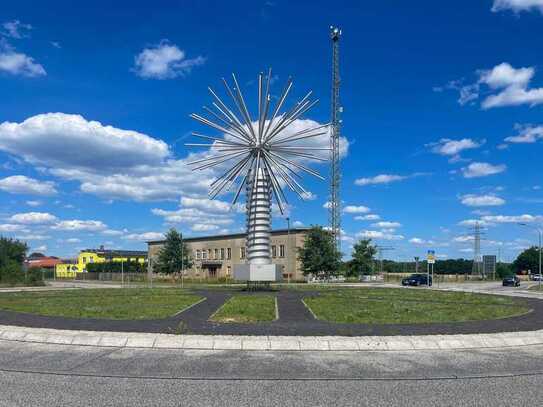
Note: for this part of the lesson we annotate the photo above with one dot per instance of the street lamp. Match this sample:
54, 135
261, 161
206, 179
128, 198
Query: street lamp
287, 252
539, 232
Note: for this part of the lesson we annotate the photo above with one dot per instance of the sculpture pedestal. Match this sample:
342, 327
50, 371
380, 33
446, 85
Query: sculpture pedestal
258, 272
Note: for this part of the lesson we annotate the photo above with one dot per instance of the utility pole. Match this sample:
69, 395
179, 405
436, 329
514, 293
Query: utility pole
334, 209
477, 261
380, 250
288, 249
539, 233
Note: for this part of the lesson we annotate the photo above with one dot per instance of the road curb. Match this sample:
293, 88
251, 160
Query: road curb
270, 343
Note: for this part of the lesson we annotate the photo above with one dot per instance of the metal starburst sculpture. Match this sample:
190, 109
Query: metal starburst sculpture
261, 154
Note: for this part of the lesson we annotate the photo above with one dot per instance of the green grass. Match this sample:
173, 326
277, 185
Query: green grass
410, 306
247, 309
109, 303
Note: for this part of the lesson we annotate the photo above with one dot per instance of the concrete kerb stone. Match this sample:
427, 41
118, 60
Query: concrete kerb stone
271, 343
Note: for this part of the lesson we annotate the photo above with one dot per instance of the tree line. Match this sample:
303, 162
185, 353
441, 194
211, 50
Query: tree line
320, 256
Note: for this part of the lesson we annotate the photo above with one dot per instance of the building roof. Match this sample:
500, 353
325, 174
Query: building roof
232, 235
116, 253
43, 262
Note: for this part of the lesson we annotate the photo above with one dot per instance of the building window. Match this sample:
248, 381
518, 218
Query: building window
222, 254
228, 270
228, 254
282, 250
209, 254
216, 254
204, 255
91, 259
242, 252
84, 260
274, 251
198, 254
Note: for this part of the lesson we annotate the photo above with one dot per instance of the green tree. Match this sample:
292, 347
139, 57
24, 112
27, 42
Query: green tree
319, 255
527, 260
12, 255
503, 270
174, 256
362, 258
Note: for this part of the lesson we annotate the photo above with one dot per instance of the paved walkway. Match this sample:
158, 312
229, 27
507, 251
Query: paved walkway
294, 319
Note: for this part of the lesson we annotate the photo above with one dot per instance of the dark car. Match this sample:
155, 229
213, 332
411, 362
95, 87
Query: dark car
511, 281
416, 279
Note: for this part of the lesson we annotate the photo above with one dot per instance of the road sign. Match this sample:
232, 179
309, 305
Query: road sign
431, 257
489, 264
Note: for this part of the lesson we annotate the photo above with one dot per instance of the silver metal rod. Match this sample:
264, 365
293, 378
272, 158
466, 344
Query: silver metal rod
301, 167
219, 183
213, 164
279, 167
311, 156
218, 140
245, 111
288, 140
214, 157
211, 124
228, 113
290, 112
282, 98
294, 117
276, 188
302, 148
240, 137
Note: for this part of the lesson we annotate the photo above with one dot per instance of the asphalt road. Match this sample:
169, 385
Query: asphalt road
55, 375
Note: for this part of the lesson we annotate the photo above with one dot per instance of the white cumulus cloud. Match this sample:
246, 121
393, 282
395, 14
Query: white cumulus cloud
387, 225
17, 63
512, 218
33, 218
451, 147
517, 5
481, 200
15, 29
20, 184
480, 169
144, 237
371, 216
164, 61
377, 234
9, 227
80, 225
528, 134
379, 179
356, 209
69, 141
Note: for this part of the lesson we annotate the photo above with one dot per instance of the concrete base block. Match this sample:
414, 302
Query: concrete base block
258, 272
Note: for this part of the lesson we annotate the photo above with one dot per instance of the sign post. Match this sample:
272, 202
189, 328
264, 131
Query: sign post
430, 259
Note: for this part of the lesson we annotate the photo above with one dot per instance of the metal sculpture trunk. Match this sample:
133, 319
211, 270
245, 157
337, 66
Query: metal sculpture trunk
259, 218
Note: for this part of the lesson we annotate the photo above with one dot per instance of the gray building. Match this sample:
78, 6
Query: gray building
215, 256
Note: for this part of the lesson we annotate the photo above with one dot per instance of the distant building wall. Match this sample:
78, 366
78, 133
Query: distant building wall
215, 256
68, 269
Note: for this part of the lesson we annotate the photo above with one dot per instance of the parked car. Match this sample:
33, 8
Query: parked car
537, 277
511, 281
416, 280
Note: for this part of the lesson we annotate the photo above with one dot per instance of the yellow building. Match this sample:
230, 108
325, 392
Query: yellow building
68, 268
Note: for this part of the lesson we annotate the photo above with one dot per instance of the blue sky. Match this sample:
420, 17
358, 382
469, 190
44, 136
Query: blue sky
442, 117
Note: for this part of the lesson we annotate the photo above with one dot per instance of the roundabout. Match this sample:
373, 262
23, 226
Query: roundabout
295, 358
301, 311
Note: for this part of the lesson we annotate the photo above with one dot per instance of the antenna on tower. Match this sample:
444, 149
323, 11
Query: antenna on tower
334, 209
